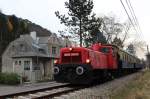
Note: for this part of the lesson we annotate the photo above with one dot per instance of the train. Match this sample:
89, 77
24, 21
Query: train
80, 65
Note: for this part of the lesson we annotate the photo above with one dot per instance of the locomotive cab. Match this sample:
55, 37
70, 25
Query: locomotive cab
111, 56
109, 53
73, 65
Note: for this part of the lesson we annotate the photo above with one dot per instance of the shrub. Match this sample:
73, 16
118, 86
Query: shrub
9, 78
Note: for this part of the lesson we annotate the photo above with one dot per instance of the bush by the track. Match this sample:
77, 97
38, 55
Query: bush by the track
9, 78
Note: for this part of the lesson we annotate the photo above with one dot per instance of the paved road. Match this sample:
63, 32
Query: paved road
5, 89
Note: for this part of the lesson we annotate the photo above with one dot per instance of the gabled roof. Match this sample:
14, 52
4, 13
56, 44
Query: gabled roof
25, 46
44, 40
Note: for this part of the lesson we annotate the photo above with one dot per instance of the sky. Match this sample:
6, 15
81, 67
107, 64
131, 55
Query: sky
42, 12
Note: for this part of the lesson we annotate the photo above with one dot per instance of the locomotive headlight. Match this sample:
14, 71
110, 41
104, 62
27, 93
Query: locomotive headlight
88, 61
55, 61
56, 70
70, 49
79, 70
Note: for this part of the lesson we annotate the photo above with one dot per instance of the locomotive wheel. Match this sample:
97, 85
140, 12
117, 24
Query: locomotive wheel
79, 70
56, 70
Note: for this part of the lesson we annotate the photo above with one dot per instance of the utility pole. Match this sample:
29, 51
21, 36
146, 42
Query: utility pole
147, 49
148, 58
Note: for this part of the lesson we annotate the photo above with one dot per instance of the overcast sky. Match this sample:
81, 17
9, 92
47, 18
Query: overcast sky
42, 12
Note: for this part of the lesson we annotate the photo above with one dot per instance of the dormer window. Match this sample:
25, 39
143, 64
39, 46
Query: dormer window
22, 47
13, 47
41, 50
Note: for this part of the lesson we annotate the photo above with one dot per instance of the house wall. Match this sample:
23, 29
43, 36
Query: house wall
58, 43
39, 70
51, 68
7, 61
20, 69
48, 70
35, 71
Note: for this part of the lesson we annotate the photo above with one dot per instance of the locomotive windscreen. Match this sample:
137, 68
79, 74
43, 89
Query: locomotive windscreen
73, 57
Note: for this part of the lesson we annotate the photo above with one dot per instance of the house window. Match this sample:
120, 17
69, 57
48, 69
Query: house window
36, 67
59, 50
53, 50
19, 62
26, 65
16, 62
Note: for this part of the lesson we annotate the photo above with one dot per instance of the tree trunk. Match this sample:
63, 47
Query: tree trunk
126, 32
1, 55
80, 34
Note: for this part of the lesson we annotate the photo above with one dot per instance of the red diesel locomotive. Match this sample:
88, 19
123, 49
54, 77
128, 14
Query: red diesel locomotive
79, 65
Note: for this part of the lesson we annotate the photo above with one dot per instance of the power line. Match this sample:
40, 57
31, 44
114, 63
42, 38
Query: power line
133, 24
126, 32
129, 17
131, 11
134, 16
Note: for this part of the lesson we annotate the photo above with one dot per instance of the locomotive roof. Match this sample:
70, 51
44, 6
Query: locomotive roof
66, 48
111, 45
120, 49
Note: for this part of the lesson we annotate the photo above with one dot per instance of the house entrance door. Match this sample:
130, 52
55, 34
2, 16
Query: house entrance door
27, 71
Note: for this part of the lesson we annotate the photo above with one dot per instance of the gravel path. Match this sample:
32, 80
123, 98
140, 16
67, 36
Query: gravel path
103, 91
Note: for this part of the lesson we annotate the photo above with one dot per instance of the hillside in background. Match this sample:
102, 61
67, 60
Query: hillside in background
39, 30
11, 27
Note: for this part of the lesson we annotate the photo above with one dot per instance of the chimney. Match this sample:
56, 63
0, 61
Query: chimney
21, 36
33, 35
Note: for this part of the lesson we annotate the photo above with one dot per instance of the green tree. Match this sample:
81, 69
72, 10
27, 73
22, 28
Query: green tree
3, 34
118, 42
95, 37
11, 28
79, 19
94, 27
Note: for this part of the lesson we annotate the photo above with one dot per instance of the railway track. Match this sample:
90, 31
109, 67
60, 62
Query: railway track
55, 90
49, 93
102, 91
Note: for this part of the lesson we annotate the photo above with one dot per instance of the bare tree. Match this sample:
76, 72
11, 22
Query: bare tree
131, 49
112, 28
137, 48
115, 31
139, 45
127, 27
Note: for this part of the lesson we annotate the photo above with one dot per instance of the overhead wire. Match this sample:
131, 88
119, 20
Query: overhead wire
134, 18
137, 31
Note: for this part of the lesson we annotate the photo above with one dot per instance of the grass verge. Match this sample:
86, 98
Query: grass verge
136, 89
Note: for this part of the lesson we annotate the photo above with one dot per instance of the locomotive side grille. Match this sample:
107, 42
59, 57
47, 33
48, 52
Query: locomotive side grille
73, 57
